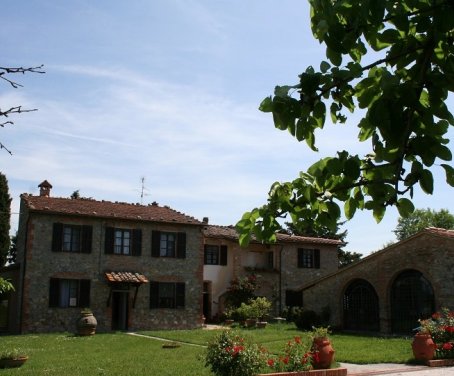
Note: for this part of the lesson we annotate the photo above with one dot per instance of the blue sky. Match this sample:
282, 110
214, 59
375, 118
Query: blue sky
167, 90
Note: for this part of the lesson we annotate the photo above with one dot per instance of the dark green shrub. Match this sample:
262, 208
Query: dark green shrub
306, 319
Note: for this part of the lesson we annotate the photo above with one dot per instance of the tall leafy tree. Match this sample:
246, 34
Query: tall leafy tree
5, 216
421, 219
400, 90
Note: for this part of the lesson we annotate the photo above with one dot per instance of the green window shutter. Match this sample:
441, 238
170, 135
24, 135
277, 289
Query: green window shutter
223, 255
84, 293
57, 237
154, 294
181, 245
180, 295
136, 242
316, 258
54, 292
155, 243
300, 258
87, 234
109, 240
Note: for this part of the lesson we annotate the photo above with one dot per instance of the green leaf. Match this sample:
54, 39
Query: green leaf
405, 207
426, 181
449, 174
350, 207
333, 56
324, 66
266, 105
379, 213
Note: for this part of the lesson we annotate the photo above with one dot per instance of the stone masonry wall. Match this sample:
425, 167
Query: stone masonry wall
429, 254
42, 264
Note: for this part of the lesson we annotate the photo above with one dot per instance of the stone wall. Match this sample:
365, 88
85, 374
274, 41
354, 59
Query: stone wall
429, 254
43, 264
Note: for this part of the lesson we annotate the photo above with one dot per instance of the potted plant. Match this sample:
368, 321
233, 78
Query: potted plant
323, 352
12, 358
260, 308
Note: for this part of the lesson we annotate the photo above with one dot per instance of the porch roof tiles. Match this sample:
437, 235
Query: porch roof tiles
128, 277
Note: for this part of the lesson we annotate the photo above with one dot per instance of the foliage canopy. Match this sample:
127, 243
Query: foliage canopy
421, 219
401, 95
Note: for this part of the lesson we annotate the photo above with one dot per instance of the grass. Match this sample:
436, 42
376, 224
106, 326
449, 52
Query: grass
122, 354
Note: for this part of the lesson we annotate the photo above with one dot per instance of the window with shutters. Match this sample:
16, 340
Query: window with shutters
120, 241
308, 258
215, 255
65, 293
168, 244
167, 295
71, 238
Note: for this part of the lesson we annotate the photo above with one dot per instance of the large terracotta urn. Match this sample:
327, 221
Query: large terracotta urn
324, 353
423, 347
86, 324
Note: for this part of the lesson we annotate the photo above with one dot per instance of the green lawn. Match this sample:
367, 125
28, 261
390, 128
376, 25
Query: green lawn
122, 354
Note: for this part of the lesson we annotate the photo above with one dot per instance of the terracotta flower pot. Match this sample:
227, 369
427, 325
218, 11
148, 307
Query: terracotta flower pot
10, 362
325, 353
86, 324
423, 347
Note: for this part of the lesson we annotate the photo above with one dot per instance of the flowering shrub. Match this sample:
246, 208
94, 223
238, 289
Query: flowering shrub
296, 357
241, 290
441, 328
228, 354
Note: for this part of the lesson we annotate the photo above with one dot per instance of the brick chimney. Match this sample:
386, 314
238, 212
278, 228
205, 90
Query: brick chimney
44, 188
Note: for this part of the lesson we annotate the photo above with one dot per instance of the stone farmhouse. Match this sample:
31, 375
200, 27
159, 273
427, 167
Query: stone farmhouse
149, 267
140, 267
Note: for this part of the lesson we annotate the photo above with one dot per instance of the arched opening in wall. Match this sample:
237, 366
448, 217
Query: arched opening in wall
361, 311
412, 298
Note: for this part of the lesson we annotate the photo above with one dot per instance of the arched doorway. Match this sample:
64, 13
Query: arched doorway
361, 307
412, 298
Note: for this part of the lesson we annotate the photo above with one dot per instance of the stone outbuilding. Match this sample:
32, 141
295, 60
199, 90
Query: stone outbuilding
389, 290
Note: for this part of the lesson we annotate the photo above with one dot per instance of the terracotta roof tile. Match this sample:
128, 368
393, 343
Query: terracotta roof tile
106, 209
129, 277
440, 231
229, 233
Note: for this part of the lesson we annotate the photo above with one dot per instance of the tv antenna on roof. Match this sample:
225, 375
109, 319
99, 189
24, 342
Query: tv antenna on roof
143, 189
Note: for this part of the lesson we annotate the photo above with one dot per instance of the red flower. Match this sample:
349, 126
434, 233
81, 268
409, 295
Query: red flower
227, 349
237, 349
447, 346
284, 360
270, 362
436, 315
449, 329
297, 339
315, 357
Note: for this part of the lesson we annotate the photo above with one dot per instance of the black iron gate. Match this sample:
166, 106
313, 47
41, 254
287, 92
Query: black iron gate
361, 310
412, 298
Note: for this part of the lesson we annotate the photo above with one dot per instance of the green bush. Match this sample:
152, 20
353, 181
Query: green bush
306, 319
291, 313
229, 354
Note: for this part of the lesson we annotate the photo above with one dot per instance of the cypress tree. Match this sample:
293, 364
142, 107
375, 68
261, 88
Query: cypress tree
5, 214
